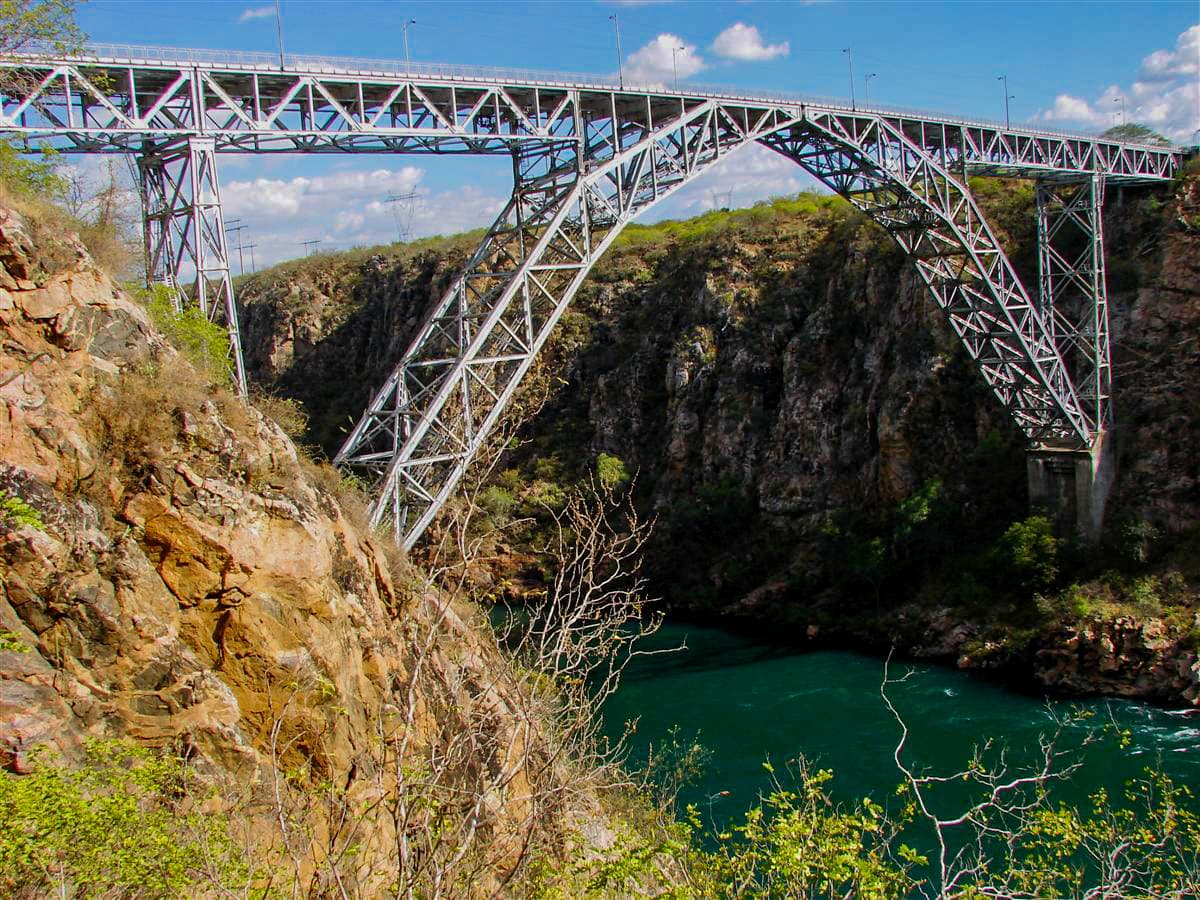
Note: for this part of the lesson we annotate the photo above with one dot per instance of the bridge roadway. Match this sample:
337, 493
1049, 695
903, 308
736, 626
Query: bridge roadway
590, 154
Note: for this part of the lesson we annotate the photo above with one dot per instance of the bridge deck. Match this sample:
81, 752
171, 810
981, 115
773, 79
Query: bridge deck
123, 98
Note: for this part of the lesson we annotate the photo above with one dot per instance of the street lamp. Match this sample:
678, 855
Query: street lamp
867, 87
620, 61
850, 59
1007, 97
279, 30
1121, 100
407, 59
675, 65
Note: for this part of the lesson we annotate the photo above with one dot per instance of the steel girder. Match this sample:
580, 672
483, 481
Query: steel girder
1072, 289
185, 234
427, 422
114, 99
929, 211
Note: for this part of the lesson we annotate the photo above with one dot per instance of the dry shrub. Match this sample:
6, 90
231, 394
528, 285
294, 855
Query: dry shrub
286, 412
114, 253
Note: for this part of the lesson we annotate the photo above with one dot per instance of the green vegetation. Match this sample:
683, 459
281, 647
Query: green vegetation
12, 642
204, 343
611, 471
1026, 556
125, 823
24, 23
1134, 132
27, 177
717, 221
16, 513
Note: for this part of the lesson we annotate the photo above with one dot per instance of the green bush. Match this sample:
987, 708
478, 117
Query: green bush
29, 177
498, 502
611, 471
204, 343
12, 642
1027, 554
16, 513
115, 826
1144, 595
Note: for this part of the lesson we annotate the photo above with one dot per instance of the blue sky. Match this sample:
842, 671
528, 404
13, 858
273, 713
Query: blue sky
1068, 64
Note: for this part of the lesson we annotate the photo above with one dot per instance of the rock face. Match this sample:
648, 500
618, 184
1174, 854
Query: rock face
186, 582
788, 393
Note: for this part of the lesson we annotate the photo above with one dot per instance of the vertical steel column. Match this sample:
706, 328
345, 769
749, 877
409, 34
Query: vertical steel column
1072, 289
184, 233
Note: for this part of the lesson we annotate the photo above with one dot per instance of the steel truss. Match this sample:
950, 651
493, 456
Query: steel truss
930, 213
1072, 289
112, 99
185, 233
427, 422
589, 156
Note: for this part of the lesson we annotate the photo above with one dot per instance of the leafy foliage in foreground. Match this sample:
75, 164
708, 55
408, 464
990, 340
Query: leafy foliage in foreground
204, 343
115, 826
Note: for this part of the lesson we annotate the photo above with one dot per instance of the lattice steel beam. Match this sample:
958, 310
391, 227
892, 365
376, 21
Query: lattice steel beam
930, 213
114, 99
185, 235
570, 201
1072, 289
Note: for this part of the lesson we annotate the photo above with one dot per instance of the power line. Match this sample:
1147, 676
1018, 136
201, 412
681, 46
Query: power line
402, 208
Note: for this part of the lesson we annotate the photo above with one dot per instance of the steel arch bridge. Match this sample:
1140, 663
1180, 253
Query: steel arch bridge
588, 156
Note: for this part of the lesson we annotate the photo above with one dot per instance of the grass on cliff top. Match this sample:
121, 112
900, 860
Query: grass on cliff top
710, 223
717, 221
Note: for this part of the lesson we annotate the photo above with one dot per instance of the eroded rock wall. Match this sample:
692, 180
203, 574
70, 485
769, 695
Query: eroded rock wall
185, 580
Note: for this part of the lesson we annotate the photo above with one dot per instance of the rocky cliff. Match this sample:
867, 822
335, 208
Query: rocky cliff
819, 451
175, 573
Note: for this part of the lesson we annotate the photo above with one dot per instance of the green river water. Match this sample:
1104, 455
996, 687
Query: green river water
749, 701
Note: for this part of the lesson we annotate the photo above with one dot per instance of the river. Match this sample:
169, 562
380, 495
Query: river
748, 701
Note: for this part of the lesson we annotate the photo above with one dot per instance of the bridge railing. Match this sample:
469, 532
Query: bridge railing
355, 66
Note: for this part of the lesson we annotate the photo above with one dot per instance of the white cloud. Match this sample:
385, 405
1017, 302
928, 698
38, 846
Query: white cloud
255, 12
1184, 61
741, 179
346, 209
657, 63
743, 42
1166, 96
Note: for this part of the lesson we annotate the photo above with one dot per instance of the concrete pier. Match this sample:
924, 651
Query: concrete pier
1071, 485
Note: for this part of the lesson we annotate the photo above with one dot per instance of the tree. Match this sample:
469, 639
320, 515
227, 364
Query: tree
1132, 131
27, 25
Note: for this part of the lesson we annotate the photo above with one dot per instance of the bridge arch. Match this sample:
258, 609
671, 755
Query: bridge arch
589, 154
433, 413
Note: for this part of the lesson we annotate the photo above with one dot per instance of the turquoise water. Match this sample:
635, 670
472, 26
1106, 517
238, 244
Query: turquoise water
749, 701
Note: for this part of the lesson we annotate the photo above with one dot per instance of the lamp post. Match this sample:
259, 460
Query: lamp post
620, 57
849, 51
1121, 100
279, 30
675, 65
1007, 97
867, 87
407, 58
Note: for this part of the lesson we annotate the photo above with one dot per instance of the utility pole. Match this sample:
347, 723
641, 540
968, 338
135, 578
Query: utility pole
310, 247
407, 58
620, 56
402, 228
250, 247
238, 231
849, 51
867, 88
1007, 97
279, 29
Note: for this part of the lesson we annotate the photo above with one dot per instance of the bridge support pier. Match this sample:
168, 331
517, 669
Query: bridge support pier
184, 233
1070, 486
